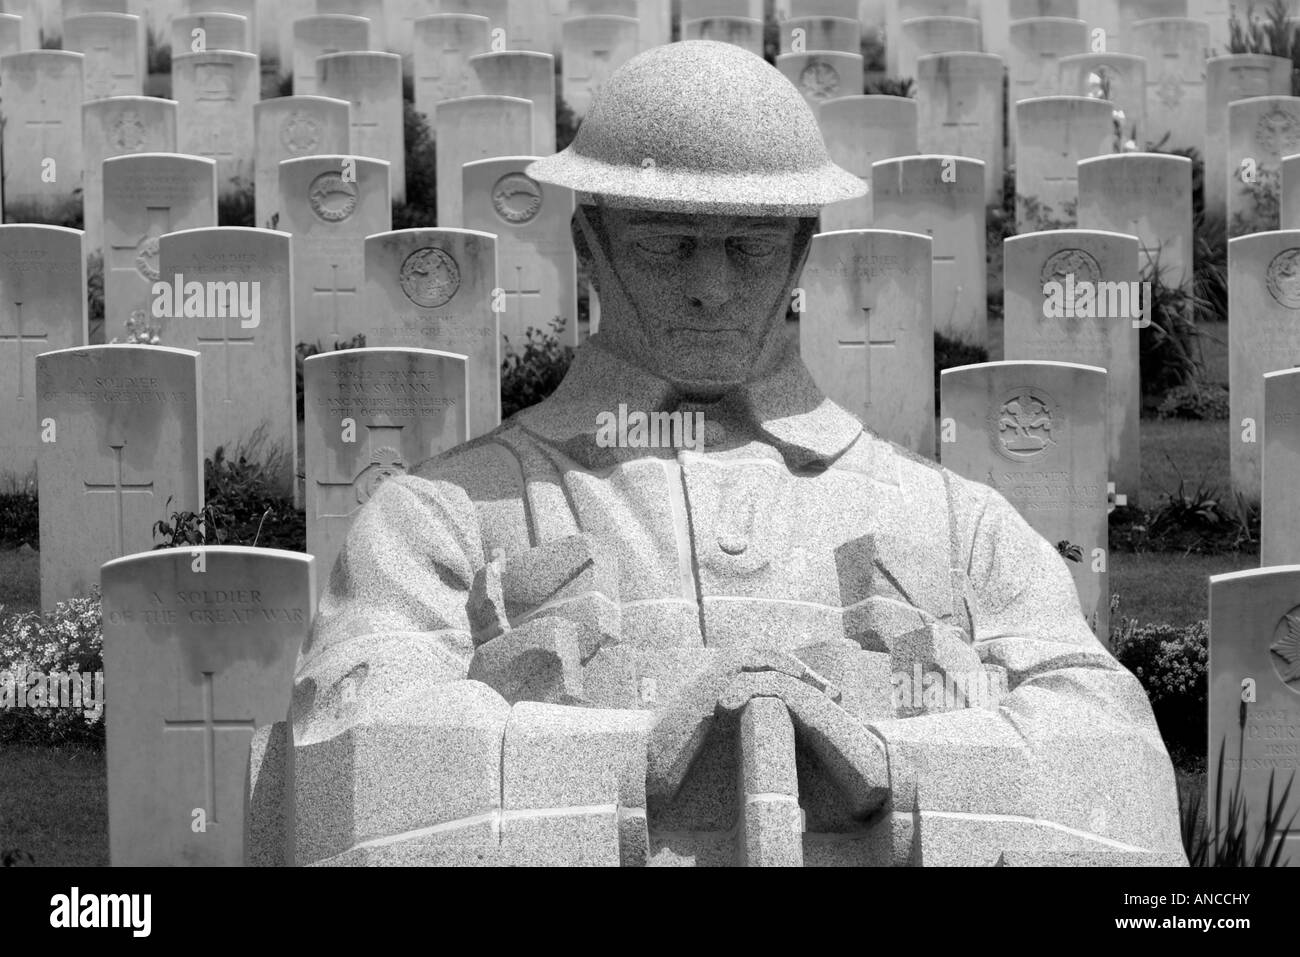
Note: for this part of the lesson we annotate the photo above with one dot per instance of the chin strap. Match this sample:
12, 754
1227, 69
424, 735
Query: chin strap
616, 298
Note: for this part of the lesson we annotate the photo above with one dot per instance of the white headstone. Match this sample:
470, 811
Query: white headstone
115, 127
371, 414
593, 48
1055, 132
530, 27
1218, 15
220, 31
655, 18
922, 35
867, 331
42, 309
444, 43
1024, 9
959, 97
1036, 432
320, 35
837, 34
1239, 76
216, 92
42, 134
536, 262
473, 128
1120, 78
331, 204
1253, 682
231, 301
1084, 331
113, 45
288, 127
373, 10
126, 452
943, 198
859, 131
1263, 336
195, 659
372, 83
698, 9
823, 76
528, 76
1279, 523
1148, 195
1175, 55
433, 288
242, 8
146, 195
30, 29
738, 31
1133, 11
11, 34
1034, 48
1261, 130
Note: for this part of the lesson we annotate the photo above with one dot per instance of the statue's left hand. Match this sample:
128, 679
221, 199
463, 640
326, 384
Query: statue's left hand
854, 757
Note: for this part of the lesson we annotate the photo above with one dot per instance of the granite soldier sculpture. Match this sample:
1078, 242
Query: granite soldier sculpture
791, 642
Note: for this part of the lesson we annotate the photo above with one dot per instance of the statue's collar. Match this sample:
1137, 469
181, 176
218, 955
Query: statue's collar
784, 408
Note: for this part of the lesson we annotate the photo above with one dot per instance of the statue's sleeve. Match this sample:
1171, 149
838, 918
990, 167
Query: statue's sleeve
1074, 741
396, 597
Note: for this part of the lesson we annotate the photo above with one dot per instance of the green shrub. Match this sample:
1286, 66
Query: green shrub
566, 124
1169, 347
1195, 400
420, 208
1171, 664
237, 207
890, 86
245, 503
95, 287
1233, 839
19, 512
158, 52
950, 353
529, 377
67, 639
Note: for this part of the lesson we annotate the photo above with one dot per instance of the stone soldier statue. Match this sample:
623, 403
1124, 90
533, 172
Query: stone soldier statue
785, 641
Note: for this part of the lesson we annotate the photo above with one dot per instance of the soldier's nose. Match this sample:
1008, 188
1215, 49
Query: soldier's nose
708, 277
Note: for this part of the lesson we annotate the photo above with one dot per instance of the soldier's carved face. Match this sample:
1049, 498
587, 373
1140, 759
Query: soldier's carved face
708, 293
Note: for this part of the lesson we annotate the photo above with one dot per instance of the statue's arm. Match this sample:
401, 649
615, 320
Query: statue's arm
1074, 740
392, 619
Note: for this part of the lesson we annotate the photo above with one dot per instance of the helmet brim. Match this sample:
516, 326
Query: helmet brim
663, 189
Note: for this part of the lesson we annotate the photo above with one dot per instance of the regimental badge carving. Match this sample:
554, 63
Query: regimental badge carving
1079, 263
819, 80
1169, 91
385, 463
214, 81
146, 257
1024, 424
332, 199
430, 277
129, 132
1283, 278
516, 198
1285, 650
300, 133
1278, 132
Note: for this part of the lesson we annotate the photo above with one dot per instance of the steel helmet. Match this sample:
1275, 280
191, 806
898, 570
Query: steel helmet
701, 127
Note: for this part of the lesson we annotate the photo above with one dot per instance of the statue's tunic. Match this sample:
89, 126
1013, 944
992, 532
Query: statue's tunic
792, 527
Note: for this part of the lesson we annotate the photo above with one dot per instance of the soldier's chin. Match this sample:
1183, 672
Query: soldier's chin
706, 381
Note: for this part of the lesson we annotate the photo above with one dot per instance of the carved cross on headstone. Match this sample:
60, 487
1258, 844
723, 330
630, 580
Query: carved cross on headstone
19, 338
524, 288
101, 78
139, 255
334, 290
226, 343
341, 499
874, 338
117, 489
43, 124
209, 724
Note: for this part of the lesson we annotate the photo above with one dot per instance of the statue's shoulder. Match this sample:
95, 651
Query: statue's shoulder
488, 466
891, 464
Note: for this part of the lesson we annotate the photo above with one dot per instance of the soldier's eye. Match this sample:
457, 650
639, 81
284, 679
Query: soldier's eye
753, 248
670, 245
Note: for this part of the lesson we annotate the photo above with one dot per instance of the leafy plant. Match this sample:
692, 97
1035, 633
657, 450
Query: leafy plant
1171, 663
890, 86
236, 207
951, 353
66, 639
1069, 551
1169, 346
19, 511
1036, 215
1195, 400
530, 376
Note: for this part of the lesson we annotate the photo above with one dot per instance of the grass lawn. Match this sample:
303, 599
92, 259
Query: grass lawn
20, 580
54, 805
1158, 586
